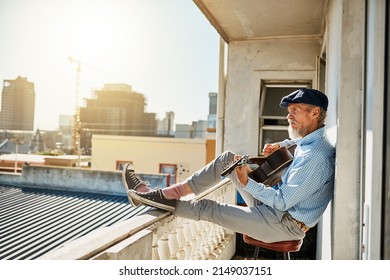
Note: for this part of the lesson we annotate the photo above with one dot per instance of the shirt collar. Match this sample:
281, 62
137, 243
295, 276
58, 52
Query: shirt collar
311, 137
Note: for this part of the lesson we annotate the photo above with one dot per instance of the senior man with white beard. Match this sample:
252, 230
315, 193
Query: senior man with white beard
284, 211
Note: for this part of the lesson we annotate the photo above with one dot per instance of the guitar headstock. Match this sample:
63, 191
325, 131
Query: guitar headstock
238, 162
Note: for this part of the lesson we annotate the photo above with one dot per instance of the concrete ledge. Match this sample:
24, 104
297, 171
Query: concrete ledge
75, 179
93, 244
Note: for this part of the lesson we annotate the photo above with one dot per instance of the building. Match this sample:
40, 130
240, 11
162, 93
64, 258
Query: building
200, 128
197, 129
165, 127
213, 106
15, 141
340, 47
65, 128
177, 157
115, 110
17, 105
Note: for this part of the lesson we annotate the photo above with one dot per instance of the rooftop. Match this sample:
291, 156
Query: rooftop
35, 221
41, 212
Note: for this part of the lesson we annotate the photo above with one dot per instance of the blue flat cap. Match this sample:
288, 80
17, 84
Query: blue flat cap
306, 96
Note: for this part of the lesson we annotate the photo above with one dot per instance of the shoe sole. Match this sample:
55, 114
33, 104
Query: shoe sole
124, 177
132, 201
149, 202
126, 186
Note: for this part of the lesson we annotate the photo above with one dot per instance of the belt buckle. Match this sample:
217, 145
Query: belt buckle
301, 225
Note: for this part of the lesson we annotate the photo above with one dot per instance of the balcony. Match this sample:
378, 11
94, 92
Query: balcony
144, 233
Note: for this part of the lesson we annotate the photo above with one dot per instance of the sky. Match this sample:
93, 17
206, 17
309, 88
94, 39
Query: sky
165, 49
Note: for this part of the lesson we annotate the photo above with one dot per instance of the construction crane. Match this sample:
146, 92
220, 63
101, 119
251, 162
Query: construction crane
76, 132
77, 126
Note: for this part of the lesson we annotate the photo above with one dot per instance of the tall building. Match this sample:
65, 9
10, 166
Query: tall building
66, 129
116, 110
212, 117
17, 105
200, 129
165, 127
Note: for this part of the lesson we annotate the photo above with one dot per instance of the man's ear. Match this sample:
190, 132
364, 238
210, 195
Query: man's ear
316, 112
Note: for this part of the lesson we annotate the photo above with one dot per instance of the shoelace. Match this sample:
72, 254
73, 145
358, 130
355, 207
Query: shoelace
137, 180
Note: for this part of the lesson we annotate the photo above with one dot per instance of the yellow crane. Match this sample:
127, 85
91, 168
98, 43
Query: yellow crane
77, 125
76, 132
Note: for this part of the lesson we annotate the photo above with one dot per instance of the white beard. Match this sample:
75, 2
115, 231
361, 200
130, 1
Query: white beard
293, 133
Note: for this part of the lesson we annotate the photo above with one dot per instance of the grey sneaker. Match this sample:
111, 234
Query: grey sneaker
131, 181
154, 198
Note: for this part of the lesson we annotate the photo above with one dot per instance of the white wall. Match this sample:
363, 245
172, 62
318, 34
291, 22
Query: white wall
248, 64
148, 152
345, 49
374, 123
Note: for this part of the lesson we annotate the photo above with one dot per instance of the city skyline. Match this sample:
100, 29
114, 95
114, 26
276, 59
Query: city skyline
165, 50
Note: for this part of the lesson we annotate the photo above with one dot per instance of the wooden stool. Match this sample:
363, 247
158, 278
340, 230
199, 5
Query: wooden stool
283, 246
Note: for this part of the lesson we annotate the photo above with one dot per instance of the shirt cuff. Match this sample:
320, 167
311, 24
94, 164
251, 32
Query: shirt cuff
253, 187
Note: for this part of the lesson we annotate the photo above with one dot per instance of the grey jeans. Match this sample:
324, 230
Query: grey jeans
256, 219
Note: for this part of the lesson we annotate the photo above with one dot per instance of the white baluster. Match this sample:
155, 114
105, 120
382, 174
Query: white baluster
202, 234
222, 231
218, 234
206, 245
163, 249
180, 239
173, 245
213, 242
187, 238
195, 242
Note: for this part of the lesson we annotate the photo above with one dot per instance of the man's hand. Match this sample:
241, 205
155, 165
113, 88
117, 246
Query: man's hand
242, 173
270, 148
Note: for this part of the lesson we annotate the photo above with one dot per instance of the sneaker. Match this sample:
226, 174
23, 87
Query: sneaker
154, 198
131, 181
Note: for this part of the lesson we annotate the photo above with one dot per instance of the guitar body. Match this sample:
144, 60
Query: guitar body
272, 167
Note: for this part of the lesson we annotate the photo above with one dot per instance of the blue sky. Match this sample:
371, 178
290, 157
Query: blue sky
164, 49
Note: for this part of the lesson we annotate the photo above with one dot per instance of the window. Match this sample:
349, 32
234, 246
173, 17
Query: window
171, 169
273, 125
121, 163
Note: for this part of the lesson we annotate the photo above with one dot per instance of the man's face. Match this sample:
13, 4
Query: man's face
302, 119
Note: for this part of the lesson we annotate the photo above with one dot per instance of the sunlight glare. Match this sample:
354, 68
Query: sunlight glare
93, 35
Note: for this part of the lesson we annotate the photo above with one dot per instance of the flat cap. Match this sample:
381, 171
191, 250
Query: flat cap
307, 96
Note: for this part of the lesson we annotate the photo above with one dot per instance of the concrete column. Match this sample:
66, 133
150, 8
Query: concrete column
347, 48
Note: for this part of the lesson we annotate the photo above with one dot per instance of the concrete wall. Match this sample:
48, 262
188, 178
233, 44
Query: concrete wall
251, 62
148, 152
345, 58
375, 152
276, 59
74, 179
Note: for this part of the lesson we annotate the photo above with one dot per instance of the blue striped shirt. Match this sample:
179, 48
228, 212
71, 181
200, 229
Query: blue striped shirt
306, 187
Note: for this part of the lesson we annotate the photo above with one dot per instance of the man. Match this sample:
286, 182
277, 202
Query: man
281, 212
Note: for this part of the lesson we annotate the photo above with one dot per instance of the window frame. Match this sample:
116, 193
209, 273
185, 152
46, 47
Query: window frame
265, 85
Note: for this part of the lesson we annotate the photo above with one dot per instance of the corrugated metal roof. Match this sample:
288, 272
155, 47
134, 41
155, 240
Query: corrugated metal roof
34, 221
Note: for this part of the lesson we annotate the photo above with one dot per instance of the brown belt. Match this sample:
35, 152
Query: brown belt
301, 225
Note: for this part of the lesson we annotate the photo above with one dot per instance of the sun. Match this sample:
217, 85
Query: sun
91, 34
94, 31
89, 31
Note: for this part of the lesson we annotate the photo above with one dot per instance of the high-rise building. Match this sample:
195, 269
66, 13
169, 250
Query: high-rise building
116, 110
212, 117
17, 105
165, 127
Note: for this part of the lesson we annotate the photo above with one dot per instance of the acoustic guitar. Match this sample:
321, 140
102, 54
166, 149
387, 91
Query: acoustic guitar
270, 168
